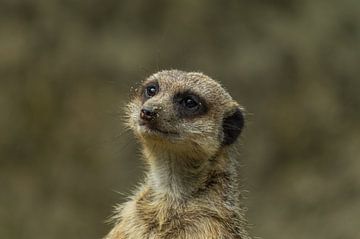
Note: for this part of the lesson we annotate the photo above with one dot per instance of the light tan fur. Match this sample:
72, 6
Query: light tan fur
191, 190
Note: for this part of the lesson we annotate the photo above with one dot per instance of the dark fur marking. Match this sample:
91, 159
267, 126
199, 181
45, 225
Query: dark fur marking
185, 113
232, 127
214, 179
143, 88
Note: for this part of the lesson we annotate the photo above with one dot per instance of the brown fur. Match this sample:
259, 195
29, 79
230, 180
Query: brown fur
191, 189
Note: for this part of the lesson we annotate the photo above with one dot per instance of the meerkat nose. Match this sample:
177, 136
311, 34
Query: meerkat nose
148, 114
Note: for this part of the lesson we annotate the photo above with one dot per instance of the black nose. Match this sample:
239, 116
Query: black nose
148, 114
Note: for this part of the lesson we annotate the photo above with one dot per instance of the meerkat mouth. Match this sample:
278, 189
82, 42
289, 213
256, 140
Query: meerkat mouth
153, 129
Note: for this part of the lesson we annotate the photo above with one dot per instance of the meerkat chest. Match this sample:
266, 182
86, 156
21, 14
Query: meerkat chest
144, 219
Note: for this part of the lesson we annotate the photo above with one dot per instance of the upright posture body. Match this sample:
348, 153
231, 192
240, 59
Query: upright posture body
188, 126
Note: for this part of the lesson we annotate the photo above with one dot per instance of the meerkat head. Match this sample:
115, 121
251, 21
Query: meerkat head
184, 112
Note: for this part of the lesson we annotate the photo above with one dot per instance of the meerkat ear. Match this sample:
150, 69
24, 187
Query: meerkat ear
232, 126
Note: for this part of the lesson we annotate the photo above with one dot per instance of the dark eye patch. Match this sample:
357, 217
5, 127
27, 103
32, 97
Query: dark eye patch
189, 104
150, 90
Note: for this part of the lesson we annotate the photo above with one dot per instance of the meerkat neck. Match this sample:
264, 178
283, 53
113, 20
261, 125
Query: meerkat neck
179, 176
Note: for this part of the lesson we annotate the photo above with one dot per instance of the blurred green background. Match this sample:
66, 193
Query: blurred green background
66, 69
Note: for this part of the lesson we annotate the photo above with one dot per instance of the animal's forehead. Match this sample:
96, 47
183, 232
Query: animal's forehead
179, 81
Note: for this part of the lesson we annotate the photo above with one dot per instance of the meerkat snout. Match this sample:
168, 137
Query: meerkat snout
148, 113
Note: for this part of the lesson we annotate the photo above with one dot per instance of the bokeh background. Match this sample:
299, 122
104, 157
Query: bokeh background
66, 69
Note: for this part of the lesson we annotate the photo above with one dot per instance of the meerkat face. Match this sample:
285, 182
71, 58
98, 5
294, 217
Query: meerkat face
188, 112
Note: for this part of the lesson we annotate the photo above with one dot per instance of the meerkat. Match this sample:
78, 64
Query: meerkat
188, 126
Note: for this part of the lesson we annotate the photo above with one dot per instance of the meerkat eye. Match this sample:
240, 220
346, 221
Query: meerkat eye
190, 103
151, 90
